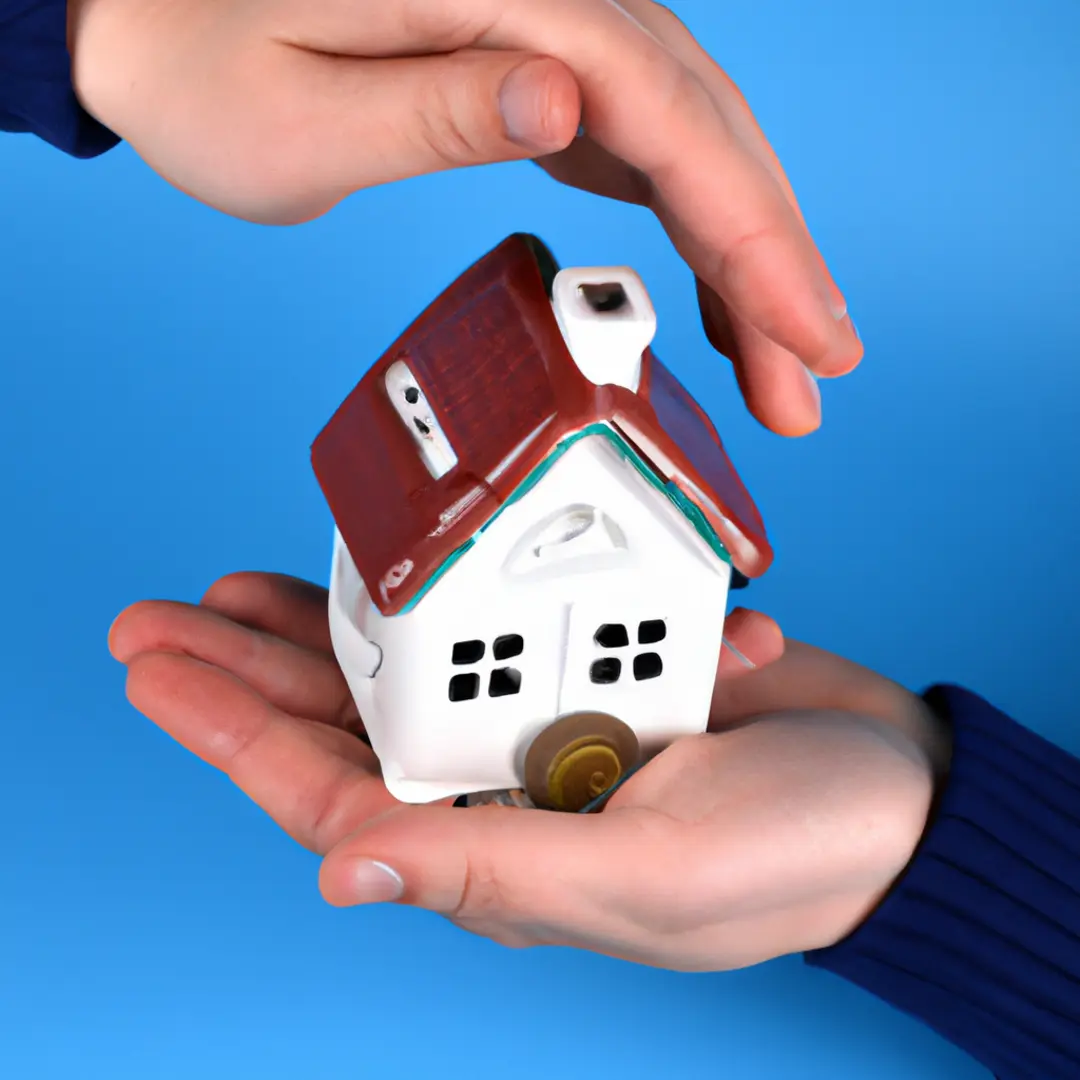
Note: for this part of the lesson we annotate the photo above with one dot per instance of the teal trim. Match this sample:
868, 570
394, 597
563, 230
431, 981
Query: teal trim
686, 506
447, 563
697, 519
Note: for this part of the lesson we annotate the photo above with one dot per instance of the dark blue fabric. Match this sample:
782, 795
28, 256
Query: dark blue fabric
36, 95
981, 937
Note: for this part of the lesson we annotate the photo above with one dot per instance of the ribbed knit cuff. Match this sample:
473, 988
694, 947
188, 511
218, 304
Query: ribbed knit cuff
980, 938
36, 94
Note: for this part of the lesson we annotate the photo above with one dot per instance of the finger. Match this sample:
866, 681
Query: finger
668, 28
589, 167
371, 122
298, 681
752, 641
779, 390
807, 678
728, 98
278, 604
578, 876
721, 206
317, 783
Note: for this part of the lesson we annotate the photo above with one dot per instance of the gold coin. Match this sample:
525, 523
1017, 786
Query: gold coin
577, 758
583, 771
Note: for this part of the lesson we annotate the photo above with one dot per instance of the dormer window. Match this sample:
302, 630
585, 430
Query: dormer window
411, 404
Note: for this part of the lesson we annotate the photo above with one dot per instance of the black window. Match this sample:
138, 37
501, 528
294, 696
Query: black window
465, 687
468, 652
504, 681
647, 666
606, 670
507, 646
612, 636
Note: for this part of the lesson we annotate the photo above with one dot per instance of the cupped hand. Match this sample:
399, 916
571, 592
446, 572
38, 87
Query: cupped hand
247, 680
275, 111
776, 833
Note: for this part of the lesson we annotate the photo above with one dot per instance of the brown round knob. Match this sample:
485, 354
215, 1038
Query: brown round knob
578, 758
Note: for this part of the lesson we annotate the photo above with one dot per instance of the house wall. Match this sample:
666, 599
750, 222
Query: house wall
641, 561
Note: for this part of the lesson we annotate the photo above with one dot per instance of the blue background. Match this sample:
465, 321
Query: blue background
165, 369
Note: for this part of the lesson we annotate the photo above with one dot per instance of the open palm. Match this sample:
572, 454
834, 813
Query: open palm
695, 863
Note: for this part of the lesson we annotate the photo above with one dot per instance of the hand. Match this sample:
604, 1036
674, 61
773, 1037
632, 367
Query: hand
725, 850
247, 680
778, 833
275, 111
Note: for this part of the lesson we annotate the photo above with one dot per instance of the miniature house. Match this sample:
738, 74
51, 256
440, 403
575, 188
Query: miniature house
537, 528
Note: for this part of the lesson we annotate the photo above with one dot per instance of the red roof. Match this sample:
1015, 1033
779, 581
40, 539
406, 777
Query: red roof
493, 364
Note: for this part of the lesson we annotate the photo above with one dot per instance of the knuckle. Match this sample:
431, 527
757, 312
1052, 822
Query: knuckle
227, 587
484, 895
446, 25
449, 121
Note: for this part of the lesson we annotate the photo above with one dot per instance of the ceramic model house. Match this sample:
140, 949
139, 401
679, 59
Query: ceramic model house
536, 532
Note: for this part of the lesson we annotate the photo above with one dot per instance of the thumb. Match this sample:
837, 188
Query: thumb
573, 873
419, 115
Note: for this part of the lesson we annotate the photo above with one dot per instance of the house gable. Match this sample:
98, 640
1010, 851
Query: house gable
671, 492
533, 557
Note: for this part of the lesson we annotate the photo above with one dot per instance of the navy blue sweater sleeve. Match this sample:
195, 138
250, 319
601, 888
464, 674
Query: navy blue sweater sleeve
980, 939
36, 94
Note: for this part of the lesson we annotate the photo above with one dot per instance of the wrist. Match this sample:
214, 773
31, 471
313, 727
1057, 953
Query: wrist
913, 729
91, 39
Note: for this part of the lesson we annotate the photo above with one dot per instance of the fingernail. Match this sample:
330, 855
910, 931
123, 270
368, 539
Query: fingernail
855, 329
375, 883
524, 101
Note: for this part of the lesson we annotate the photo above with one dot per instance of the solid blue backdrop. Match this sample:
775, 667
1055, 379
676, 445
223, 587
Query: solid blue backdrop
165, 369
